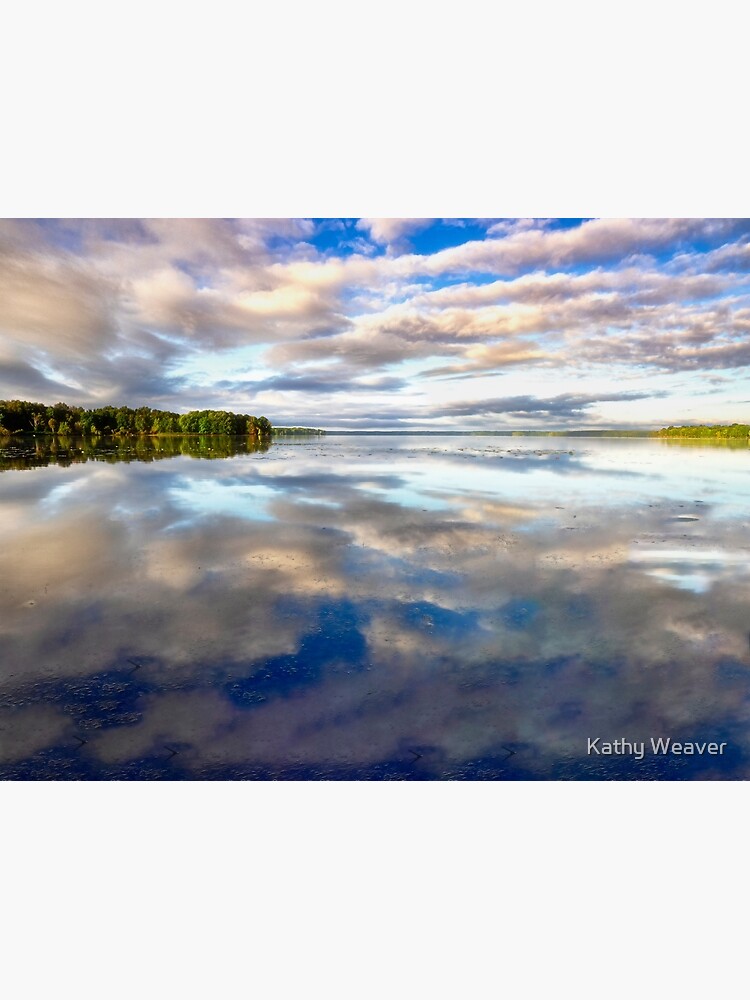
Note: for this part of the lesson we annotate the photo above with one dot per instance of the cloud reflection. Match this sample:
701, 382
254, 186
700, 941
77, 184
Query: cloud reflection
358, 607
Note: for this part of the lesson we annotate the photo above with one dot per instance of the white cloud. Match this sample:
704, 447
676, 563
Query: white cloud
391, 232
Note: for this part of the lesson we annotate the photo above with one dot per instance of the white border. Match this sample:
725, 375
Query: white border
395, 109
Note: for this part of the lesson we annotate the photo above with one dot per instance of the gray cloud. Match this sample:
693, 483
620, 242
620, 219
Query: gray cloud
21, 380
55, 303
564, 406
316, 382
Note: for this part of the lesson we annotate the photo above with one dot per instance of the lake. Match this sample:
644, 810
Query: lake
374, 607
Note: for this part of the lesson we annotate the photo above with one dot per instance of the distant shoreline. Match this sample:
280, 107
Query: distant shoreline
24, 418
280, 433
474, 433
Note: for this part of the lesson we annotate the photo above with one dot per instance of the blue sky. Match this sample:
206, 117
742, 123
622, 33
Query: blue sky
384, 323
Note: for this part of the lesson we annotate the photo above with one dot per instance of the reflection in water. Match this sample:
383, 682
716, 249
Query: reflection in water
372, 607
30, 453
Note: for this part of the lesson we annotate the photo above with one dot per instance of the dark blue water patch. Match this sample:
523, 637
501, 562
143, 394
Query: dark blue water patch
511, 673
60, 763
567, 711
446, 621
161, 765
599, 669
496, 766
559, 663
520, 612
730, 670
415, 763
733, 757
337, 637
98, 701
63, 763
427, 577
391, 770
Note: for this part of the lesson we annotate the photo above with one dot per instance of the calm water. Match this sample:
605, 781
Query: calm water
373, 607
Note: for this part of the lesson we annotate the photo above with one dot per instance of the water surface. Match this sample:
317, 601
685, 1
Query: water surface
372, 607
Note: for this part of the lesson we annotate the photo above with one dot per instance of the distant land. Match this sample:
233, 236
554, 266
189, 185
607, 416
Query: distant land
23, 417
694, 432
503, 433
295, 431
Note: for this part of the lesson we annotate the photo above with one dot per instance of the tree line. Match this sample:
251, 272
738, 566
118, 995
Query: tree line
21, 417
720, 431
295, 431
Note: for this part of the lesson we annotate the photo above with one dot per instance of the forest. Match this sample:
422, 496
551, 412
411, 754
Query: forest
719, 431
21, 417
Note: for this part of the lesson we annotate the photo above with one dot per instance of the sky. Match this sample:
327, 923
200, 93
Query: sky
434, 324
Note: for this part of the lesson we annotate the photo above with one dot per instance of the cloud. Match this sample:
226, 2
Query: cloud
109, 310
593, 242
56, 303
731, 256
593, 317
362, 350
542, 288
565, 406
316, 382
509, 227
21, 380
391, 232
